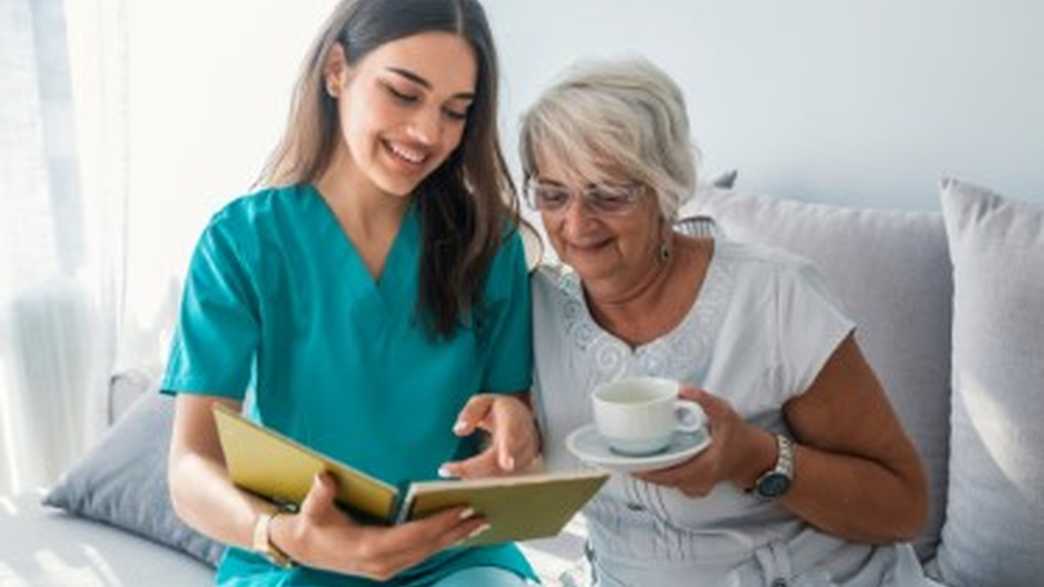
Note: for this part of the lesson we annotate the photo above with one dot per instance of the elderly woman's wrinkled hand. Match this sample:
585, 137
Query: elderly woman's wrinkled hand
514, 440
734, 445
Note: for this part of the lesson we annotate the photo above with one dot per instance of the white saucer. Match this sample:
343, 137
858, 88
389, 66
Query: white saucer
590, 447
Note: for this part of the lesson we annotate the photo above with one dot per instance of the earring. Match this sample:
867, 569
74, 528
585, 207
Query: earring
665, 252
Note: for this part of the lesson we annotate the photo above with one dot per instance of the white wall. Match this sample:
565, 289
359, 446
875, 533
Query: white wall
862, 103
209, 88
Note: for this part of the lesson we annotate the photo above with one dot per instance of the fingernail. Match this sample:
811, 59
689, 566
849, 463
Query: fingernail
478, 531
460, 427
464, 515
444, 472
508, 463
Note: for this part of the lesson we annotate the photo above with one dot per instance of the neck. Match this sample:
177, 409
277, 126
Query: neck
356, 200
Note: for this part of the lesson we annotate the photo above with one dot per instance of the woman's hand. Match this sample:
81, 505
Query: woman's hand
322, 536
514, 440
738, 451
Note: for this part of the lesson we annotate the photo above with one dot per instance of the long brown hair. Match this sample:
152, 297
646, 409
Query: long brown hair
468, 203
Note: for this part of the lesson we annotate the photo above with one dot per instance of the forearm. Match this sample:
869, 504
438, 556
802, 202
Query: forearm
205, 499
855, 498
850, 497
857, 474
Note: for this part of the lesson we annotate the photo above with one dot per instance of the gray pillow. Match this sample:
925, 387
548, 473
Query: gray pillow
994, 532
123, 481
892, 272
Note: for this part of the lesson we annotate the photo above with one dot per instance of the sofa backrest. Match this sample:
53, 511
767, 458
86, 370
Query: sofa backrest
892, 271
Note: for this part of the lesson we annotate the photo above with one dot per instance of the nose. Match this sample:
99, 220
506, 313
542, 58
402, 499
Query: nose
426, 126
576, 217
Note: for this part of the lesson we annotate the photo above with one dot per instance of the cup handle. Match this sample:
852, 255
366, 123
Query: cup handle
689, 416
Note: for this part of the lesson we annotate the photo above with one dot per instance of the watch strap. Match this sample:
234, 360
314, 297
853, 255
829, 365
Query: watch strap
783, 469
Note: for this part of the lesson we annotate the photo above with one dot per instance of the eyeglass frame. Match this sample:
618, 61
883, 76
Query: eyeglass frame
633, 190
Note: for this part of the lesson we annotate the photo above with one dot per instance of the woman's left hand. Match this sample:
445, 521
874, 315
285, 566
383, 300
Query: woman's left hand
514, 440
736, 452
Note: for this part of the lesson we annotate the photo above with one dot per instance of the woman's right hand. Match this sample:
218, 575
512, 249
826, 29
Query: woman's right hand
322, 536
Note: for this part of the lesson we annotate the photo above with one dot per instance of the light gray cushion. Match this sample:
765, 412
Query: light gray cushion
994, 532
45, 547
891, 270
123, 481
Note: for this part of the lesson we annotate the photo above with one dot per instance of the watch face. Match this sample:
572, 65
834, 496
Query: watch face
773, 485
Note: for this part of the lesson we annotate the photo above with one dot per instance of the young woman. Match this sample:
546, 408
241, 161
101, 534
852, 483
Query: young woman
375, 293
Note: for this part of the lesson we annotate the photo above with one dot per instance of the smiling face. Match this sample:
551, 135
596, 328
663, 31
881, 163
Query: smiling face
403, 107
617, 250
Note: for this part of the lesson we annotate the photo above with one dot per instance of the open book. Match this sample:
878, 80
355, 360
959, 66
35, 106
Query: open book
519, 507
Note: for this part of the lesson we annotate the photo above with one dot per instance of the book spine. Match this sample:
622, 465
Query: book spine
404, 508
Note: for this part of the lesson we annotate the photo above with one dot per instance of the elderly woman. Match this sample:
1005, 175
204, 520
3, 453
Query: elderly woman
809, 478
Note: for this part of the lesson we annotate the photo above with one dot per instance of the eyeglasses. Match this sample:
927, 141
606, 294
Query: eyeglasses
604, 198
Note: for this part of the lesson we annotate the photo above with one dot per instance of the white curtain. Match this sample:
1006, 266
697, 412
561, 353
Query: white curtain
63, 160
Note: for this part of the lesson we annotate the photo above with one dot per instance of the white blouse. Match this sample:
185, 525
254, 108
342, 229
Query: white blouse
761, 329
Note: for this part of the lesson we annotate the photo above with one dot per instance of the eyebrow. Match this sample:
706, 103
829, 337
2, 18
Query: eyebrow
558, 184
413, 77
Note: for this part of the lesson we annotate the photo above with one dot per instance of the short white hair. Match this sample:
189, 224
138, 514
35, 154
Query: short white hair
622, 116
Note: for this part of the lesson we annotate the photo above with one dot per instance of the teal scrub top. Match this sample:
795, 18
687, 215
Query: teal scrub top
277, 294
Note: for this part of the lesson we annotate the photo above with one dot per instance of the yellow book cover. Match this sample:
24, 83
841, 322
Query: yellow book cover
518, 507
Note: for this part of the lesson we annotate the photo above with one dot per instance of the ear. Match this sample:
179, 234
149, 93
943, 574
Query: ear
336, 70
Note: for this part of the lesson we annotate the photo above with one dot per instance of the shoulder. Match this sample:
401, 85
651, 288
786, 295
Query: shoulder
760, 262
261, 221
265, 206
555, 288
791, 284
554, 278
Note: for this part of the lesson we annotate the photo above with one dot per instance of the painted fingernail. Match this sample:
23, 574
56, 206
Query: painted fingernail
464, 515
479, 531
444, 472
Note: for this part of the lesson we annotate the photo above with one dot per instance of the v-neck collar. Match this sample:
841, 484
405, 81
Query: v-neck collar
399, 260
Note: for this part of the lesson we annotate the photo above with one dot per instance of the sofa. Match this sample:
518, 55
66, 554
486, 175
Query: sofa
950, 308
108, 521
950, 313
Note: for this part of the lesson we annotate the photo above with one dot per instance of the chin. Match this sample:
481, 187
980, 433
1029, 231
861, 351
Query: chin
589, 269
397, 186
399, 190
400, 184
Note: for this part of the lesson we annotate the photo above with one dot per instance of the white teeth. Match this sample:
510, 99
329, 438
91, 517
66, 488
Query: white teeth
410, 155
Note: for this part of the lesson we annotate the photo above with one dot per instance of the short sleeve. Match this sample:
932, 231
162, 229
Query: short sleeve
811, 325
218, 324
507, 329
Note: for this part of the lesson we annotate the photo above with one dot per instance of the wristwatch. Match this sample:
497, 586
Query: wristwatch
775, 482
263, 541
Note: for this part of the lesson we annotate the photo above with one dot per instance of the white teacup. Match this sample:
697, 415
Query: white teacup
637, 416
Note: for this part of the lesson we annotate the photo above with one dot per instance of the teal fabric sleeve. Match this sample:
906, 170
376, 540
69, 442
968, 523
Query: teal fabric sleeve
218, 326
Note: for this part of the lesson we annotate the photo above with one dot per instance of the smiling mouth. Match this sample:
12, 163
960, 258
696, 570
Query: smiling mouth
410, 156
590, 247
